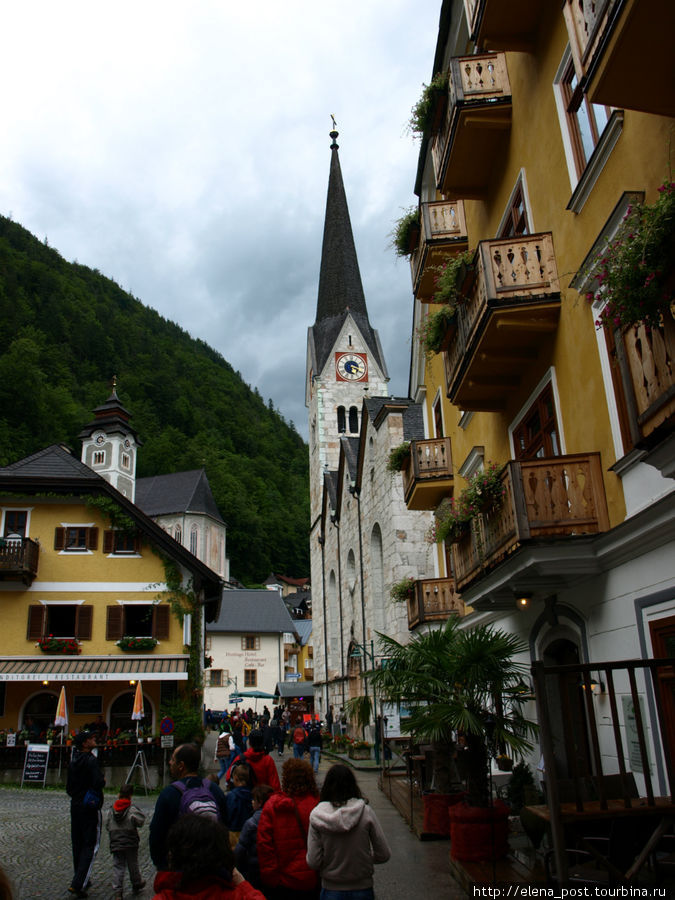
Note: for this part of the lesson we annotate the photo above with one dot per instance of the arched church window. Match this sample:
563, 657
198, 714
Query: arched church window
341, 420
193, 540
178, 534
353, 419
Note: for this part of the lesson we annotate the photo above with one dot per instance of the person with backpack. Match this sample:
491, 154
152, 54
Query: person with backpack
298, 741
261, 763
188, 793
225, 751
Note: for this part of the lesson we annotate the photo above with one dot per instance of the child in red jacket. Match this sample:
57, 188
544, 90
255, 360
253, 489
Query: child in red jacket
201, 864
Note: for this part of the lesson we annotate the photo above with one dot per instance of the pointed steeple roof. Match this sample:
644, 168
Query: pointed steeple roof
340, 287
111, 417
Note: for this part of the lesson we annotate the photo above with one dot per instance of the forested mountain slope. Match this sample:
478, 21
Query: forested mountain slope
66, 329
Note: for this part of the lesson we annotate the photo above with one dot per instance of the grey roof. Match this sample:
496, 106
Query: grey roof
177, 492
303, 628
349, 447
259, 611
54, 462
340, 286
295, 689
413, 416
112, 418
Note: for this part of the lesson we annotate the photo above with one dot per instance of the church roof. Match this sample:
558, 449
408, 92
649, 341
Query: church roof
177, 492
413, 416
340, 287
350, 450
111, 417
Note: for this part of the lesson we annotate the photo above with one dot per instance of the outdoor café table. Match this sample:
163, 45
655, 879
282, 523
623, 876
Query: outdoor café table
662, 811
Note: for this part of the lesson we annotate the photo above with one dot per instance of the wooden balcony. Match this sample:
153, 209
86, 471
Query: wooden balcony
435, 600
514, 302
427, 477
442, 234
476, 126
19, 560
495, 25
623, 50
552, 498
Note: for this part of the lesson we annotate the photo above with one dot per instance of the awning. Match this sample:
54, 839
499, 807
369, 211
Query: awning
93, 668
294, 689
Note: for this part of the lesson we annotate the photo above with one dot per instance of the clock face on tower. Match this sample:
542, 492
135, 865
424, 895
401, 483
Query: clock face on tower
351, 366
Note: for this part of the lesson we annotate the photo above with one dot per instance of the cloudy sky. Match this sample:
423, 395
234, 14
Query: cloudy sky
182, 149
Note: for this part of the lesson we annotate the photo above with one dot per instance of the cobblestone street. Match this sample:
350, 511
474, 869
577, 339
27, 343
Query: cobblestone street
35, 846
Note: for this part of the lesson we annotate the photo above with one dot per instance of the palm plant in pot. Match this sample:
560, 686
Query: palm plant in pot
463, 689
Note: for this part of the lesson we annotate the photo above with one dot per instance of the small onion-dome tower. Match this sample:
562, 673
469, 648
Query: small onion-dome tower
110, 444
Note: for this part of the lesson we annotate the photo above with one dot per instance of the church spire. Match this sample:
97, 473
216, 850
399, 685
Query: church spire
340, 288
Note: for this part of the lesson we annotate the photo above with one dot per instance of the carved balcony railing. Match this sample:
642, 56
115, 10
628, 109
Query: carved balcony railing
622, 50
427, 476
442, 234
543, 498
647, 364
495, 25
513, 303
19, 559
434, 600
469, 144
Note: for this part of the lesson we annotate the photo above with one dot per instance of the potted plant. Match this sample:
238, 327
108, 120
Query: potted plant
635, 270
427, 114
137, 644
435, 331
504, 762
485, 490
452, 521
453, 278
406, 234
359, 750
398, 457
403, 590
463, 691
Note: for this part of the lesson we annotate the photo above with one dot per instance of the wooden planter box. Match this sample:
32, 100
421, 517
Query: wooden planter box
359, 752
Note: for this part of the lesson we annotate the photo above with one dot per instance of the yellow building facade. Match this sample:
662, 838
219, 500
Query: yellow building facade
87, 586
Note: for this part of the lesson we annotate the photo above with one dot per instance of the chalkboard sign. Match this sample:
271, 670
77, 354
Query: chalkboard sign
35, 763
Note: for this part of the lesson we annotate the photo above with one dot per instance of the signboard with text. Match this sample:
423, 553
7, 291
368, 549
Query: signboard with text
35, 763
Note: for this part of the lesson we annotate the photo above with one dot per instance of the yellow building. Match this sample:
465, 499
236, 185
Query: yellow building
545, 124
93, 594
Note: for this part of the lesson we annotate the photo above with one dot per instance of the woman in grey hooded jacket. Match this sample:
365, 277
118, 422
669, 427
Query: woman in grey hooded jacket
345, 840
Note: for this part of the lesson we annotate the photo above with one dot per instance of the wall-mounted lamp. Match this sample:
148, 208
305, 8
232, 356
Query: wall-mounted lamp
523, 599
45, 681
597, 687
132, 681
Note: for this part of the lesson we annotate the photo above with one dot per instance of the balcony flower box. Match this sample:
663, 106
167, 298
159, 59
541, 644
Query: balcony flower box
137, 644
67, 646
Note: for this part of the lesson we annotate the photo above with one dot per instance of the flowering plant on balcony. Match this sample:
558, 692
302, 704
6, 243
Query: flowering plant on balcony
398, 457
403, 590
485, 490
635, 270
451, 521
433, 331
406, 233
451, 278
137, 643
425, 114
51, 644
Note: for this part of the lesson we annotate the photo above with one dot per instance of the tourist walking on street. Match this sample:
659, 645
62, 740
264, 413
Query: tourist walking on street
298, 741
345, 839
262, 764
201, 864
314, 744
183, 766
225, 751
246, 851
84, 786
238, 802
282, 836
122, 824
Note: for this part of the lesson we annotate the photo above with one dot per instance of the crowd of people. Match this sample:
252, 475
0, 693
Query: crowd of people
241, 834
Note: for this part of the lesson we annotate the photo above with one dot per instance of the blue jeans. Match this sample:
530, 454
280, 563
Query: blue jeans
363, 894
298, 751
314, 757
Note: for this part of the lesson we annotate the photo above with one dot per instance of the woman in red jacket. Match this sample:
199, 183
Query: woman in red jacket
202, 864
282, 836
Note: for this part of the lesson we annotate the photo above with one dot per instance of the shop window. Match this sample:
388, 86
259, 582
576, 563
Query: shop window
62, 620
137, 620
537, 433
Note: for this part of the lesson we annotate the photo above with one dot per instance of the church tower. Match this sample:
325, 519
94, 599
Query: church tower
110, 444
345, 362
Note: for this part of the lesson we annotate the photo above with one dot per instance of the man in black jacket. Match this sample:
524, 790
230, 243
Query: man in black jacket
84, 776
